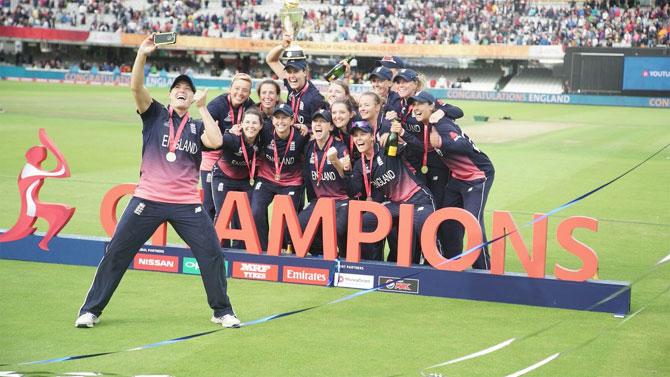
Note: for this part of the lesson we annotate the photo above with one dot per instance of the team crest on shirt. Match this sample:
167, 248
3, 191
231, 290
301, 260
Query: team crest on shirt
228, 119
166, 124
292, 146
239, 152
380, 162
311, 158
192, 128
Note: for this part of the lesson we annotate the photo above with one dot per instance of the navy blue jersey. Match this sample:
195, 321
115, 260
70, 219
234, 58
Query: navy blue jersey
233, 164
160, 179
304, 102
327, 184
266, 120
391, 104
289, 157
460, 154
221, 110
388, 178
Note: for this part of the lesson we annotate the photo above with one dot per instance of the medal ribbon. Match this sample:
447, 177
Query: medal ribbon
240, 113
425, 144
295, 102
351, 141
320, 166
172, 138
367, 181
279, 166
250, 167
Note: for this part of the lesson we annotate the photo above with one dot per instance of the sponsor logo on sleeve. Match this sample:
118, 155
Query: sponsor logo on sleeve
391, 284
345, 280
151, 262
255, 271
305, 275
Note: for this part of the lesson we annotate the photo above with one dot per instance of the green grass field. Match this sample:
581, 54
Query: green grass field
377, 334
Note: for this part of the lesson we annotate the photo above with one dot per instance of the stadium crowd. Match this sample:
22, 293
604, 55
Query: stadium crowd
375, 21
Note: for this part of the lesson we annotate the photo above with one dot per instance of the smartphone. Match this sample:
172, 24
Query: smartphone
165, 38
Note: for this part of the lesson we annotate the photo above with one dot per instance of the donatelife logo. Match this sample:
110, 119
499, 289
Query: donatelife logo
354, 280
255, 271
150, 262
305, 275
403, 285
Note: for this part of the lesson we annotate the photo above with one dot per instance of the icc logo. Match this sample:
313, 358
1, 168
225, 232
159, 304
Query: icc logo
30, 181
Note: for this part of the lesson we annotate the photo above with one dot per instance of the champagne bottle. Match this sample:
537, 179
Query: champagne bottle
392, 141
338, 70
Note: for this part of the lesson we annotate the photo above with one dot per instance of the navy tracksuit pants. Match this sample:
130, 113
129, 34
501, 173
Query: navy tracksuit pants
470, 196
423, 207
220, 188
263, 194
207, 199
341, 216
139, 221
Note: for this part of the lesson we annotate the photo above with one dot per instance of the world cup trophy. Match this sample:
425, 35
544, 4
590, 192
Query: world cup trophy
291, 16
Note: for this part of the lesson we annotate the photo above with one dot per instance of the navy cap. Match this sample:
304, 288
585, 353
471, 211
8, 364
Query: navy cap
407, 75
362, 125
297, 64
382, 73
391, 62
325, 114
423, 97
284, 109
183, 78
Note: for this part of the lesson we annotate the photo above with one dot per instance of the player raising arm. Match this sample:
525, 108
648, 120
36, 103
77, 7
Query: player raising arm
167, 191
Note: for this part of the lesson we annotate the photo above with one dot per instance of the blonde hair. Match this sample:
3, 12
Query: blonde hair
420, 81
378, 99
241, 76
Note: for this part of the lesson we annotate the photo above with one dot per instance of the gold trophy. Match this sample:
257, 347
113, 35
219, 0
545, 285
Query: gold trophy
291, 16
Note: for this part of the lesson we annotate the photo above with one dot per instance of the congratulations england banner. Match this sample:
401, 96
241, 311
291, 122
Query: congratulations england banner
16, 73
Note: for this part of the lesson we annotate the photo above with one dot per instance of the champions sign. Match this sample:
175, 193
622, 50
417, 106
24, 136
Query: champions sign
284, 216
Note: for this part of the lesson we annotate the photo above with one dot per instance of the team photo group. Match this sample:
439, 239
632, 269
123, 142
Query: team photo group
395, 144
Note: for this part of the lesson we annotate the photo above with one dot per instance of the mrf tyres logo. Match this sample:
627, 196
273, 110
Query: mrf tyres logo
255, 271
394, 284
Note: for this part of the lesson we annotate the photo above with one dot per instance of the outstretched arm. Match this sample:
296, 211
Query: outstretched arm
211, 137
62, 169
140, 93
273, 56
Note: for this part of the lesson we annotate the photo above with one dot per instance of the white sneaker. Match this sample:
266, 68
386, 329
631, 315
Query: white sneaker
228, 320
86, 320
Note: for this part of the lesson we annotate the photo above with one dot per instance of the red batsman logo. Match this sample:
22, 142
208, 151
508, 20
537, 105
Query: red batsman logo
30, 182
